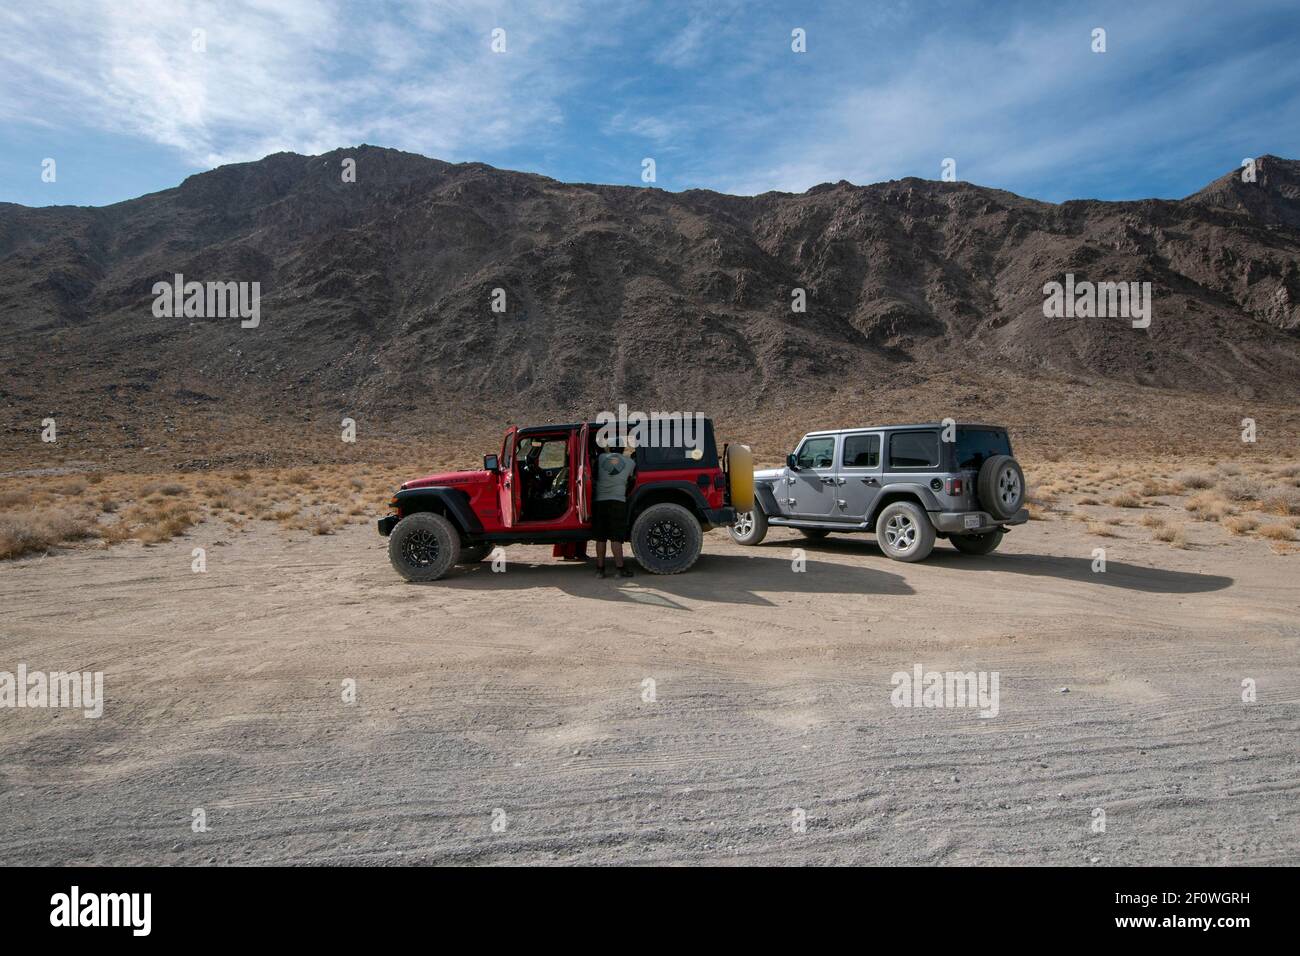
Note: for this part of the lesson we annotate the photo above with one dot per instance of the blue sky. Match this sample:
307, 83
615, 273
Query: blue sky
117, 95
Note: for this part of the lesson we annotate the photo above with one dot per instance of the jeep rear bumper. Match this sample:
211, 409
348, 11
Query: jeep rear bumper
387, 523
973, 522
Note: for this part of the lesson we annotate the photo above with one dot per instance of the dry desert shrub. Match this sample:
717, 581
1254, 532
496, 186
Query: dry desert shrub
1240, 524
1100, 529
72, 488
1153, 521
1088, 501
1241, 488
25, 532
1125, 500
1281, 503
1229, 469
1194, 479
1277, 532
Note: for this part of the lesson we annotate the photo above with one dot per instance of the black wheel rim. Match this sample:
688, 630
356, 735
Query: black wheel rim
666, 539
420, 548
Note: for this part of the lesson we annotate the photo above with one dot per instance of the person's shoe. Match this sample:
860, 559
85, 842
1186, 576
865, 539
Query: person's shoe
624, 572
600, 571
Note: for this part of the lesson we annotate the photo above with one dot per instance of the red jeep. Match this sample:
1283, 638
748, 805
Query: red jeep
538, 490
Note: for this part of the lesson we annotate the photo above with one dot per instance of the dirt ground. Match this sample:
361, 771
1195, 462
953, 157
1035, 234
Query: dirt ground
519, 698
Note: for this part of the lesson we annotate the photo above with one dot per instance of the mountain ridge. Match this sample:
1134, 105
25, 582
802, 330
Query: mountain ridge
377, 294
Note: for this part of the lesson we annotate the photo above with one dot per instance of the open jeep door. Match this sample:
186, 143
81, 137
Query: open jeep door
583, 474
508, 482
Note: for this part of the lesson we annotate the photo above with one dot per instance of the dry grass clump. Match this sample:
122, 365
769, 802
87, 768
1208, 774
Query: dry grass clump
1100, 529
26, 532
1240, 524
1152, 521
152, 522
1209, 507
1125, 500
1277, 532
1172, 535
1158, 488
1088, 501
15, 499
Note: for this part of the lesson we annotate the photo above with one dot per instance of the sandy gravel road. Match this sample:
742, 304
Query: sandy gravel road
522, 694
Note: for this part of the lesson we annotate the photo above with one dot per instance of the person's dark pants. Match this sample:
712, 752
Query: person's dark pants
609, 523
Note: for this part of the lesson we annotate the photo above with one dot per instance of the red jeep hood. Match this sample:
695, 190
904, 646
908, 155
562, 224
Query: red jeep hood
452, 478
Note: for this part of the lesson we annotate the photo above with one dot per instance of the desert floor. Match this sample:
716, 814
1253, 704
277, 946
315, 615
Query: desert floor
519, 697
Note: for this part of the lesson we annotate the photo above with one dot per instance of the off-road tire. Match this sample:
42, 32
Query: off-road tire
1001, 486
814, 534
750, 527
666, 539
985, 543
424, 547
904, 532
474, 553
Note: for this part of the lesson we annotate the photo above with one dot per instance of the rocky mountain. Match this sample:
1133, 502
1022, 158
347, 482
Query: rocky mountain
376, 296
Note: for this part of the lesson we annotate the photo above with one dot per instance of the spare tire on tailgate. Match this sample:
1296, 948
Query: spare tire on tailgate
1001, 486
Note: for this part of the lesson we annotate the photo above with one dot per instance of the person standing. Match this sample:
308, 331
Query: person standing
613, 475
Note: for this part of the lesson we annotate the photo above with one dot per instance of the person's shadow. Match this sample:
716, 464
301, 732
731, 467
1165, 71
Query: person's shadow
714, 578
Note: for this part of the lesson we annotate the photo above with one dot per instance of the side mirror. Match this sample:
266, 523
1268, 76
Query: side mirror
792, 461
490, 463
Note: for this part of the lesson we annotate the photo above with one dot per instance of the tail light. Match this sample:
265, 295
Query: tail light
953, 486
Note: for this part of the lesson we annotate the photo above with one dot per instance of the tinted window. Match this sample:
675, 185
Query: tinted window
913, 450
861, 451
976, 446
817, 453
676, 440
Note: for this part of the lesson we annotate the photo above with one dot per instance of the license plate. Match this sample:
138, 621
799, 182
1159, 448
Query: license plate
972, 521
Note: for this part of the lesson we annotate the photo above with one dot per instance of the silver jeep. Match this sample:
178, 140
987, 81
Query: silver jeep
910, 484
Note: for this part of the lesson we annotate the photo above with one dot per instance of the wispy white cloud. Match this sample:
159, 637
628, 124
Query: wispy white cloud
1028, 106
305, 75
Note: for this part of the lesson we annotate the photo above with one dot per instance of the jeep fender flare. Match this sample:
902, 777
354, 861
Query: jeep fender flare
765, 499
902, 491
654, 491
442, 499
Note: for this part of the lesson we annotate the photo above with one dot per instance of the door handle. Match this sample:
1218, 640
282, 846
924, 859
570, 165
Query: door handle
840, 481
828, 481
870, 481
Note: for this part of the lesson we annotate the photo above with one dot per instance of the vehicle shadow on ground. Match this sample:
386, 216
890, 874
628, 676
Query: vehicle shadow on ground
715, 578
1132, 577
